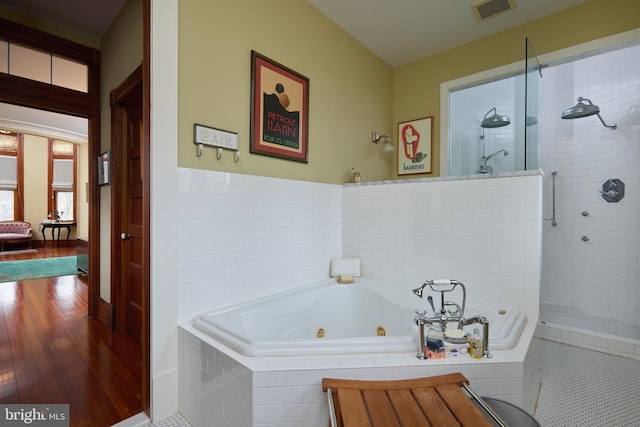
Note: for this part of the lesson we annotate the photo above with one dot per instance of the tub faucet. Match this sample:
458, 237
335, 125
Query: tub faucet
443, 316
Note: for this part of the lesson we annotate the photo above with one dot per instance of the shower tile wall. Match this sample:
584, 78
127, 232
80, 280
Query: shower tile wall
242, 237
602, 275
483, 232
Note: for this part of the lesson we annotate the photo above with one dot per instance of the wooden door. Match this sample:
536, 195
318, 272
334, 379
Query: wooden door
131, 233
130, 218
129, 260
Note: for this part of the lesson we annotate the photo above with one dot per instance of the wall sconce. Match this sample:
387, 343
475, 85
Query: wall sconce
386, 141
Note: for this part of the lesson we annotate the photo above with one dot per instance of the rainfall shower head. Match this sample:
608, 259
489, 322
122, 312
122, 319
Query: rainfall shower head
494, 121
585, 110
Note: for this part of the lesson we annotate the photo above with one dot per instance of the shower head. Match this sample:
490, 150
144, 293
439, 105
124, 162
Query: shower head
585, 110
494, 121
418, 291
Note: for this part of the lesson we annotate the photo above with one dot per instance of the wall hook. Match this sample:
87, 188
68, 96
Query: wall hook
198, 150
219, 153
236, 156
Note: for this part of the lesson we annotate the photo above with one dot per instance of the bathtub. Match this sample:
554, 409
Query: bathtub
330, 318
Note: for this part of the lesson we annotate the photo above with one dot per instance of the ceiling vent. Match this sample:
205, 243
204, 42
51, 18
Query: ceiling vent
486, 9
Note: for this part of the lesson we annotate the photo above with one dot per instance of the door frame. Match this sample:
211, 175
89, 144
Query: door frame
43, 96
120, 98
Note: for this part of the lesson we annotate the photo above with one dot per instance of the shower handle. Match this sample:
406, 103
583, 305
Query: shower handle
553, 200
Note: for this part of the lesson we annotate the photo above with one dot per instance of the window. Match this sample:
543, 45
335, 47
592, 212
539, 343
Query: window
11, 177
62, 180
43, 66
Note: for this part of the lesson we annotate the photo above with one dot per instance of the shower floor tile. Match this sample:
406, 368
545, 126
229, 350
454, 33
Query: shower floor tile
578, 387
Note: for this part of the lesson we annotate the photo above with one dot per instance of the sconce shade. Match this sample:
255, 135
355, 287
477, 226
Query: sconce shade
386, 141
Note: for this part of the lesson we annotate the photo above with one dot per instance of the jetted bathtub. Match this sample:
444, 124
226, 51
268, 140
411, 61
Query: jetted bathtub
331, 318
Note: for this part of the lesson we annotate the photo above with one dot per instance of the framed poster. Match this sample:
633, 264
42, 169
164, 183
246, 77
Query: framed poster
279, 110
414, 146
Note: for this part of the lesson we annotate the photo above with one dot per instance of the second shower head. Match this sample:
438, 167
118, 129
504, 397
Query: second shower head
585, 110
495, 120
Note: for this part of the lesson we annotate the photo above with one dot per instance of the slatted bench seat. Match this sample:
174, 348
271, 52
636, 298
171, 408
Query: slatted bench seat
431, 401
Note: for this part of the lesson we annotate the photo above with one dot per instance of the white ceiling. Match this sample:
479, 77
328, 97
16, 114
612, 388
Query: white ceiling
403, 31
398, 31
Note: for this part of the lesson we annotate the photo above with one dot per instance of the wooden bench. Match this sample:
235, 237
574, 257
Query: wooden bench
431, 401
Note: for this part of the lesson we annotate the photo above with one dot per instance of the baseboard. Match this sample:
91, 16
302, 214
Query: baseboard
106, 313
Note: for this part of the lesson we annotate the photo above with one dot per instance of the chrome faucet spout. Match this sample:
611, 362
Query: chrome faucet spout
430, 299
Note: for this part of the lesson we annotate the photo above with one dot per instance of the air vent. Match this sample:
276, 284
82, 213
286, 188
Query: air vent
488, 8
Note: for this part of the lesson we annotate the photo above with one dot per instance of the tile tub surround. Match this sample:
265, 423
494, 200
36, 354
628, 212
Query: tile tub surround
236, 233
220, 387
241, 236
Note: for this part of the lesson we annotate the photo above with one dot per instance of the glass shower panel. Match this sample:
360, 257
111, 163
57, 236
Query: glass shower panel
469, 142
514, 146
533, 85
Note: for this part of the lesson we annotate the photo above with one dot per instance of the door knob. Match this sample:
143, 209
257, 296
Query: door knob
124, 236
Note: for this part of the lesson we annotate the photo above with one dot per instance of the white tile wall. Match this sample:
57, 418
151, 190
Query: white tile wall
599, 276
483, 232
243, 236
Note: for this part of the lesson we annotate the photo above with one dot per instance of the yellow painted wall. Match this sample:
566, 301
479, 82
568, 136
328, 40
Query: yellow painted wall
350, 89
36, 170
121, 54
416, 88
35, 182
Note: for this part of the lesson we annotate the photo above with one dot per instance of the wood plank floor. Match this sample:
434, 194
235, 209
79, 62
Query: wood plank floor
52, 352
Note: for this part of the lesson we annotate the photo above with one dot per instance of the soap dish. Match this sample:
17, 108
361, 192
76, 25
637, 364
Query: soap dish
456, 336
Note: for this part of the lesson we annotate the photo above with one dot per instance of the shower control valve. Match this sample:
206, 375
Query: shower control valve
612, 190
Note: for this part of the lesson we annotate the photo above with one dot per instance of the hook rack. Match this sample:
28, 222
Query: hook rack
215, 138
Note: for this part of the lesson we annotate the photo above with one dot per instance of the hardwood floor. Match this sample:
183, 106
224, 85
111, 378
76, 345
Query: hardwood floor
52, 352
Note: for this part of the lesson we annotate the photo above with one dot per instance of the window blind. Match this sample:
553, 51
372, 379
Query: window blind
62, 174
8, 173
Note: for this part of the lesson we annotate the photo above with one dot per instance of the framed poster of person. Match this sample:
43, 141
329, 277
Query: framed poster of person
414, 146
279, 110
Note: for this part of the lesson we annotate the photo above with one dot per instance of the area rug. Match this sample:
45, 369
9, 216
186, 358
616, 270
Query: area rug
20, 251
11, 271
